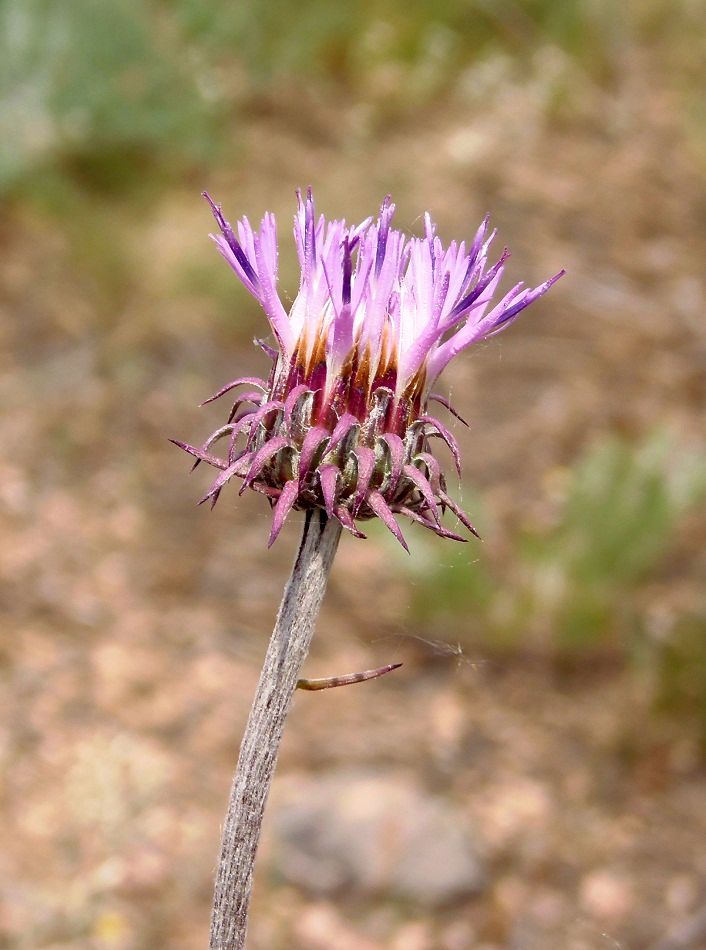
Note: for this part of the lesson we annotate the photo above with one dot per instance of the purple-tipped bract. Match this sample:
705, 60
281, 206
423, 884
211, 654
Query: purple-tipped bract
343, 423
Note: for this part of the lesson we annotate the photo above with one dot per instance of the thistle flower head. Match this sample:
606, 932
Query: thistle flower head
343, 422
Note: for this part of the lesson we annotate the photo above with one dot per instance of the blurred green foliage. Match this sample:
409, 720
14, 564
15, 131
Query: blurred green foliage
96, 90
611, 533
591, 581
108, 94
676, 672
615, 528
421, 39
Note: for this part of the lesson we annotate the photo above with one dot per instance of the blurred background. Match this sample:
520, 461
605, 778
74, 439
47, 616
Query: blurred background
534, 776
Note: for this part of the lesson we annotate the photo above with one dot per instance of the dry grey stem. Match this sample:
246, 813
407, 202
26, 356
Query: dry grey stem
286, 653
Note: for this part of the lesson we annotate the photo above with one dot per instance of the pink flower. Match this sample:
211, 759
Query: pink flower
342, 423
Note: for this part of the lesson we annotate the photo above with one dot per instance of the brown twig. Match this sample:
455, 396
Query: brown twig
328, 682
286, 653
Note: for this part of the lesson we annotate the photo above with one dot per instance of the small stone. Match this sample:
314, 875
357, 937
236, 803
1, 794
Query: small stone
360, 834
606, 895
320, 927
414, 936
